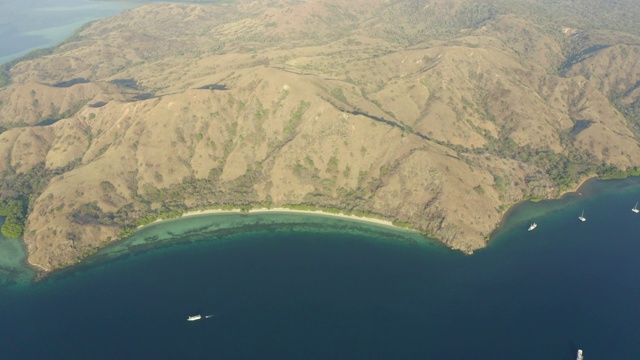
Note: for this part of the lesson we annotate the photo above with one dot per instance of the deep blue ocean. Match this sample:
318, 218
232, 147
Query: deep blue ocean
282, 286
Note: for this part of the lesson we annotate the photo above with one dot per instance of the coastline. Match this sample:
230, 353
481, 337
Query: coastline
576, 188
287, 210
43, 272
560, 196
533, 260
59, 32
341, 215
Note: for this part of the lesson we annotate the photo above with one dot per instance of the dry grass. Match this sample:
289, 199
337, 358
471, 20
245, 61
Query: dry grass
340, 104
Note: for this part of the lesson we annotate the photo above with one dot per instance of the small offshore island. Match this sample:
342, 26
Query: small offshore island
434, 117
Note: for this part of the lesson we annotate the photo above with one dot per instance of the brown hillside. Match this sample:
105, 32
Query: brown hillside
436, 114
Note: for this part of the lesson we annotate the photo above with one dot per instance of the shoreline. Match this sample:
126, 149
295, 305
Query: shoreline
340, 215
103, 8
43, 272
576, 188
287, 210
560, 196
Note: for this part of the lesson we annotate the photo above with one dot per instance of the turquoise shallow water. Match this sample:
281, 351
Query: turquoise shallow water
292, 286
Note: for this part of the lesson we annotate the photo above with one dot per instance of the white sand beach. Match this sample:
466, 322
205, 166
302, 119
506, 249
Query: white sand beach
286, 210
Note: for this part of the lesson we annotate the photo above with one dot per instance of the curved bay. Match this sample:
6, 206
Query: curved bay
287, 286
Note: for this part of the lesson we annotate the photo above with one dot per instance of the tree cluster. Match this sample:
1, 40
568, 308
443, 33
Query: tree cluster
15, 211
18, 190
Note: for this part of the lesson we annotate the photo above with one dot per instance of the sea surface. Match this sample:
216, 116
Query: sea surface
282, 286
26, 25
285, 286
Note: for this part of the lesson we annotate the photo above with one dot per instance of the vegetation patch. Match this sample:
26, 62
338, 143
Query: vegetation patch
15, 213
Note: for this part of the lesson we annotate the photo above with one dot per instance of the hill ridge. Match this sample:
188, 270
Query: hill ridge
361, 107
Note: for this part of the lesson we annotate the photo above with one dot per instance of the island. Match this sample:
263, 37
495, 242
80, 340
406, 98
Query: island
433, 116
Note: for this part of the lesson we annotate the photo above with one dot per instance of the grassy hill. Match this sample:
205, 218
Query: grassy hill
435, 114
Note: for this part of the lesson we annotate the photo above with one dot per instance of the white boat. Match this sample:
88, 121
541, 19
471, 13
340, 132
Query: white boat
194, 317
635, 209
581, 217
579, 355
533, 226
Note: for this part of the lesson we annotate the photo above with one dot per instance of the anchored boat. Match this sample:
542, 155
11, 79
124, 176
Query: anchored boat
194, 317
581, 217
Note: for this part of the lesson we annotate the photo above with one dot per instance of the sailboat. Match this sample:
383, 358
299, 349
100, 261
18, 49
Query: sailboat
635, 209
581, 217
